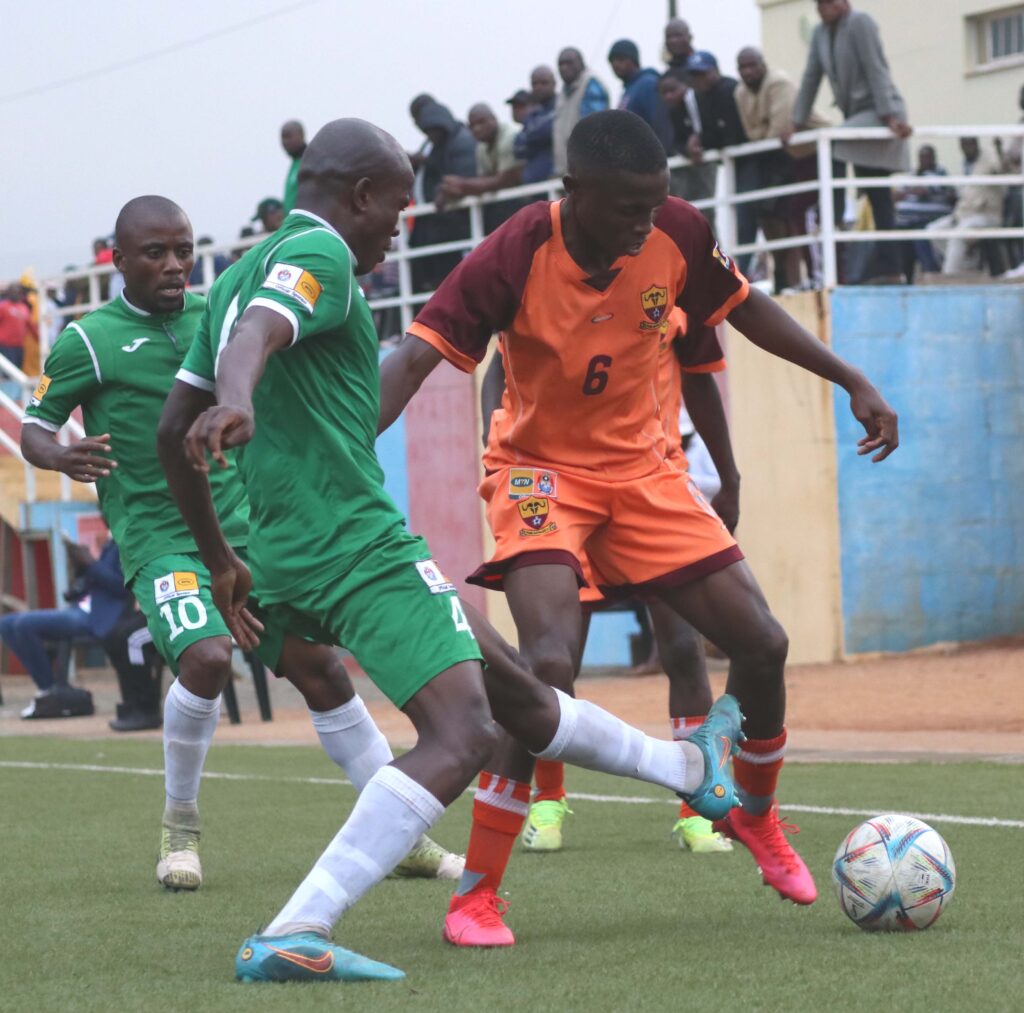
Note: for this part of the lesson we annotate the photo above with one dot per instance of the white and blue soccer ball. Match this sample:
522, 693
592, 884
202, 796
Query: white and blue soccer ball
893, 873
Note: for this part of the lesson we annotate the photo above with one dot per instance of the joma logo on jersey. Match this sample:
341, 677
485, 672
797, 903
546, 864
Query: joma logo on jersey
135, 345
654, 300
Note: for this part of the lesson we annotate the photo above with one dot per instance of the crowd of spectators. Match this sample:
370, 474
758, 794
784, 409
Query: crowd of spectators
695, 106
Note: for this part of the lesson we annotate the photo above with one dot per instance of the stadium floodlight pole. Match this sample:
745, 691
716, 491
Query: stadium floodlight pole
826, 212
672, 12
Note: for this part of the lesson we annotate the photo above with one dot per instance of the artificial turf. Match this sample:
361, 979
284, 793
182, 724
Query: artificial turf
620, 920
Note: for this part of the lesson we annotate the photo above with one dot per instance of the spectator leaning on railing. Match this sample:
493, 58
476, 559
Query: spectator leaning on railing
847, 47
582, 94
696, 181
533, 145
977, 206
640, 89
497, 166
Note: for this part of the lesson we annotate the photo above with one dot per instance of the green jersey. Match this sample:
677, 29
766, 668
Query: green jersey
119, 363
291, 185
315, 487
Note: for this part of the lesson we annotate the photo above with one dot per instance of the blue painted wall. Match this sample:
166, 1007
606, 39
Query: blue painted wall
932, 540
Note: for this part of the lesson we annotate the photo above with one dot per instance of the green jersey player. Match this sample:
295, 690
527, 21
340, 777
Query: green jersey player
289, 347
118, 364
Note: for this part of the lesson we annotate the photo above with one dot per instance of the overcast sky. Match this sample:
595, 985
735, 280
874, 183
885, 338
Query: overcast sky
103, 102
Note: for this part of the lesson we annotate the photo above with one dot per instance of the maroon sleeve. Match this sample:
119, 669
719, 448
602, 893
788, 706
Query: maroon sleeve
483, 293
713, 287
698, 351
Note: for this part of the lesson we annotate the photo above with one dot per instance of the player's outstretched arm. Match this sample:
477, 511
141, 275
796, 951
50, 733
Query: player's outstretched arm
401, 374
230, 578
769, 327
230, 423
81, 460
704, 405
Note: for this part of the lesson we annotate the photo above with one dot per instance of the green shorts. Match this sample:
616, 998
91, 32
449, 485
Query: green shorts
396, 612
173, 592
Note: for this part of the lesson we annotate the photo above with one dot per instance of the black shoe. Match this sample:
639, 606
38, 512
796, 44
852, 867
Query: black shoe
60, 702
131, 720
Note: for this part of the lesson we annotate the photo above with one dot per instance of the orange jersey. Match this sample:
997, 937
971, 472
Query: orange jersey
682, 352
581, 353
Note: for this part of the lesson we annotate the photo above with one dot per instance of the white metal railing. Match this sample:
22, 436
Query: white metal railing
826, 237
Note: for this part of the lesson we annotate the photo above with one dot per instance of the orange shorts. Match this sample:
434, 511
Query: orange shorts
647, 533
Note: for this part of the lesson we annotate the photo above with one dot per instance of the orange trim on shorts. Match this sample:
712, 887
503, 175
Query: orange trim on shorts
492, 575
677, 578
730, 304
458, 359
706, 367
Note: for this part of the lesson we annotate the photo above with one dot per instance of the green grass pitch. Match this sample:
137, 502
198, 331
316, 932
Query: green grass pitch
620, 920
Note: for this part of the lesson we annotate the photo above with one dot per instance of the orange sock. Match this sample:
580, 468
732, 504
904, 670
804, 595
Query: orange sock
550, 780
756, 772
499, 811
683, 728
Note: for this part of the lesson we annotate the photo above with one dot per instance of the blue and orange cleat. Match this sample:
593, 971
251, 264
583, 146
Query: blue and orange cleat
306, 956
717, 738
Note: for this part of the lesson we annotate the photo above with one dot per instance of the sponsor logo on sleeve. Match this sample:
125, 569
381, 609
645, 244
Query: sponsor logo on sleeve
295, 282
722, 258
179, 584
433, 576
534, 513
40, 392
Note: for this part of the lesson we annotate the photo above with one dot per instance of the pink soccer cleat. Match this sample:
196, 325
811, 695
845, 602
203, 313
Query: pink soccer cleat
475, 920
781, 867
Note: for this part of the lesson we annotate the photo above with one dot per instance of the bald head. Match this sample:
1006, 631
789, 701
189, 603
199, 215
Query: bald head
751, 67
543, 84
483, 124
678, 39
570, 64
145, 213
358, 178
154, 251
293, 138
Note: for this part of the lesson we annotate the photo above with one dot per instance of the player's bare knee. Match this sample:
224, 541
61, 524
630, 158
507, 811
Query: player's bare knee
205, 666
476, 745
772, 644
553, 664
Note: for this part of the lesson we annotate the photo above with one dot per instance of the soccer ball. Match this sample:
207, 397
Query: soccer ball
893, 873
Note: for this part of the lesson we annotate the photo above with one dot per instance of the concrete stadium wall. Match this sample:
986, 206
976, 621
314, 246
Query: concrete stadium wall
933, 539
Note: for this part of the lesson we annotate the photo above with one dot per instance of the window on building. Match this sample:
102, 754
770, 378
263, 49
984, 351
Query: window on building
998, 38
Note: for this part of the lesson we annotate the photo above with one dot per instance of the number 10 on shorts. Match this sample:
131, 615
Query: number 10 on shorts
191, 614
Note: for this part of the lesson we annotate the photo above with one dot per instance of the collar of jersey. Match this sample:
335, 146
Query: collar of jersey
320, 221
132, 308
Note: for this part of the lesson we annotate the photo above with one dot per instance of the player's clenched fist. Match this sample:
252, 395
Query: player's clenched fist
81, 460
218, 429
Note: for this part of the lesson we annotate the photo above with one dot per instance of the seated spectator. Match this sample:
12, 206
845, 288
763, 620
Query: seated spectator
691, 182
918, 206
1013, 210
497, 166
720, 126
640, 89
533, 144
101, 604
976, 206
220, 262
764, 99
16, 325
451, 152
270, 214
582, 94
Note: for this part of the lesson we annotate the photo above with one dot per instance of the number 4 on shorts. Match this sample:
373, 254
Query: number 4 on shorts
459, 617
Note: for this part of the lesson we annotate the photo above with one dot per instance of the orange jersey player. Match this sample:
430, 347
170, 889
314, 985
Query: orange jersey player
690, 360
580, 290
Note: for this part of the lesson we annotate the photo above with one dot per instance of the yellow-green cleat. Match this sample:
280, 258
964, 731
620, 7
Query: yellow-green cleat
543, 830
697, 835
178, 867
428, 860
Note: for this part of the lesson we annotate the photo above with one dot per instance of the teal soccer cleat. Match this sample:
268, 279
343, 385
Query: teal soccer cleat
718, 738
306, 956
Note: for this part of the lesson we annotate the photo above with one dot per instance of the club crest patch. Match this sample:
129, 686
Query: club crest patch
179, 584
534, 511
434, 577
654, 302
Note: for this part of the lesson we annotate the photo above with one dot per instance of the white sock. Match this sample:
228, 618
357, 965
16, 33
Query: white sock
387, 819
352, 740
189, 724
590, 737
